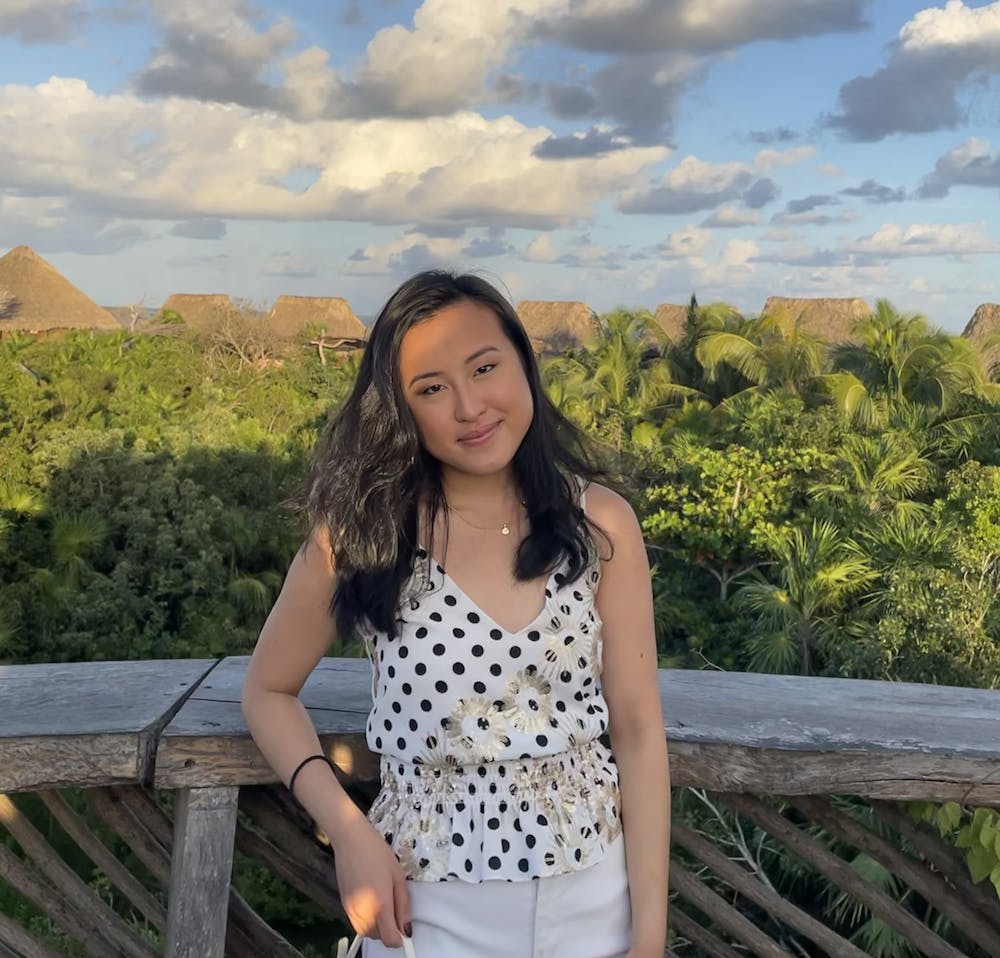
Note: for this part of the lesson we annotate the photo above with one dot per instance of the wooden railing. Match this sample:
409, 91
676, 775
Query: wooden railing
142, 738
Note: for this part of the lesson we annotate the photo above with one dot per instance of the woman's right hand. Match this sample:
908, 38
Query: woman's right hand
372, 885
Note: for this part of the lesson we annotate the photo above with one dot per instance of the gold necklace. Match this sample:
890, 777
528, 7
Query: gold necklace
504, 529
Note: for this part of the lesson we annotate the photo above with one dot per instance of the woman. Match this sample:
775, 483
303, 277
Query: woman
504, 599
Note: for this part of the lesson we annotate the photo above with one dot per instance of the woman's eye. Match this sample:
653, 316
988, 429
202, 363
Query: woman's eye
432, 390
485, 368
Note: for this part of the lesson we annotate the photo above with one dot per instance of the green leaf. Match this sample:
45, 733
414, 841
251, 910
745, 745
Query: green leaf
987, 835
981, 862
948, 817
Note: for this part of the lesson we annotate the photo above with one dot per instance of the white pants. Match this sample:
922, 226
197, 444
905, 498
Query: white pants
584, 914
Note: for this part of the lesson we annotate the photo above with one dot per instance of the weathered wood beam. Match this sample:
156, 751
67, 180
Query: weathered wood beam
834, 868
905, 776
102, 919
104, 859
260, 937
723, 914
201, 867
287, 849
701, 937
726, 731
19, 943
293, 867
87, 724
931, 887
144, 809
110, 810
752, 888
43, 896
133, 814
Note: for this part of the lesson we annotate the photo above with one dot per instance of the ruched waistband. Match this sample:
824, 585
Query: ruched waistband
510, 820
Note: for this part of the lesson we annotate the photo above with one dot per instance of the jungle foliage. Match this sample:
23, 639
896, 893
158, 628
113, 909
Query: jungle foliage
808, 509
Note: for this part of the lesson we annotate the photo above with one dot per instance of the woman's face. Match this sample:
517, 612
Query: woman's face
466, 388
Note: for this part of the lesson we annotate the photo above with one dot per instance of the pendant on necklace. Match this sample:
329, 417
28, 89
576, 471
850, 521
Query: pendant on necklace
505, 530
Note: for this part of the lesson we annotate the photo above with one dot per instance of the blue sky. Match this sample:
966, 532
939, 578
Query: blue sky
622, 152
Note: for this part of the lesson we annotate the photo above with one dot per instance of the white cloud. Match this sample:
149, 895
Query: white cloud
731, 217
214, 51
288, 263
541, 250
224, 52
442, 63
688, 243
179, 159
971, 163
767, 160
404, 255
738, 252
938, 56
953, 25
691, 185
926, 239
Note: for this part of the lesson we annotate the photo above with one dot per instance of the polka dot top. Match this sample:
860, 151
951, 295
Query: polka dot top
492, 763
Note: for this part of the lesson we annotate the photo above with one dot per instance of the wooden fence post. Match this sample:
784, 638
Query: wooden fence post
201, 865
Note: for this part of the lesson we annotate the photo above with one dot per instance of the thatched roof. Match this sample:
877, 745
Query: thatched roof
202, 311
671, 318
985, 323
290, 315
828, 317
39, 298
985, 320
555, 325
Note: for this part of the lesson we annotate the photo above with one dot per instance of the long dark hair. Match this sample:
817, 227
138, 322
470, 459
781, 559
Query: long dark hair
370, 471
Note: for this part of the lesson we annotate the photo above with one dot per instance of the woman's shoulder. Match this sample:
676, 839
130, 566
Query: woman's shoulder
614, 519
605, 507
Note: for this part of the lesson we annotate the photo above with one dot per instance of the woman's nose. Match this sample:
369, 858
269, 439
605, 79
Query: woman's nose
468, 405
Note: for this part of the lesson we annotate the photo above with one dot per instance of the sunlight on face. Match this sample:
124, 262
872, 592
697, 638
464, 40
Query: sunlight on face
465, 386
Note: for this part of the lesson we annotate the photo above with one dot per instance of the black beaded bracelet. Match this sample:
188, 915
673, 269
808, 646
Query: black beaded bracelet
312, 758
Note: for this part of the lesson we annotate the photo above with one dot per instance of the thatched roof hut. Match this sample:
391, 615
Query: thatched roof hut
671, 318
39, 299
828, 317
202, 311
290, 315
557, 325
985, 324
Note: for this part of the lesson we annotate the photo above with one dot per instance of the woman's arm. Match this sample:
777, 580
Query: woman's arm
631, 686
297, 634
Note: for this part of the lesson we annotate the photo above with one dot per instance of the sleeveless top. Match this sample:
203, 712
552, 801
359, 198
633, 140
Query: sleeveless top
493, 765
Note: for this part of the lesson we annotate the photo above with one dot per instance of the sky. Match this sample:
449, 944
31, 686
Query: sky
620, 152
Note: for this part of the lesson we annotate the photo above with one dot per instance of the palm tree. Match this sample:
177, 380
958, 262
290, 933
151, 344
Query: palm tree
772, 352
620, 387
902, 358
899, 538
700, 322
818, 570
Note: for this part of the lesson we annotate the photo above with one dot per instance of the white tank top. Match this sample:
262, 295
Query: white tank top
492, 763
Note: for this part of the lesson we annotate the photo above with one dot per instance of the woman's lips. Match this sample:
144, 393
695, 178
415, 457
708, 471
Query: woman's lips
480, 437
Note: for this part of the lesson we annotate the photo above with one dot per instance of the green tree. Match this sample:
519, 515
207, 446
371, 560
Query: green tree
818, 571
899, 357
771, 352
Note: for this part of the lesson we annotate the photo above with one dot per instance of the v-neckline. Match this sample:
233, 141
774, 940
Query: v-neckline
546, 595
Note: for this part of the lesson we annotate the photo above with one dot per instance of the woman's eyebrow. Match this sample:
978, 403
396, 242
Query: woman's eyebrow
468, 359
